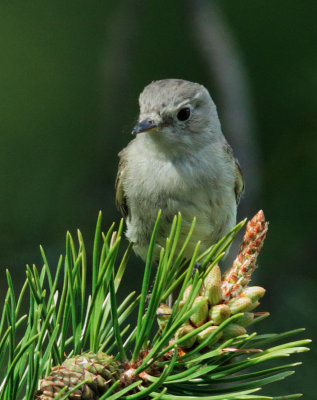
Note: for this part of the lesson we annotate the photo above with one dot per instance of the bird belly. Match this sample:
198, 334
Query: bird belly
152, 184
214, 217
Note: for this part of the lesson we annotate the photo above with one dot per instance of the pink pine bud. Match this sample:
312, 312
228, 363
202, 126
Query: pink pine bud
244, 264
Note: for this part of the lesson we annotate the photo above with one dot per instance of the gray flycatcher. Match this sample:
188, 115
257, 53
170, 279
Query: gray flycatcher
179, 161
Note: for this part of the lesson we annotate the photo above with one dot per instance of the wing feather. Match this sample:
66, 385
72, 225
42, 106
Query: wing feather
121, 201
239, 181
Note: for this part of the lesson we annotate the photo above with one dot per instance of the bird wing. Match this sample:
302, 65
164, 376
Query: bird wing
121, 200
239, 181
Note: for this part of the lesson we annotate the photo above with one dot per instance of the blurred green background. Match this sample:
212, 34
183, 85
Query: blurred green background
70, 75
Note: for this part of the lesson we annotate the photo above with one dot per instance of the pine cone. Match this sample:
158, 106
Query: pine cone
99, 369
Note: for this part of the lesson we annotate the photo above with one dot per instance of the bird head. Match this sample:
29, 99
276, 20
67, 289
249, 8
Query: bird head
179, 113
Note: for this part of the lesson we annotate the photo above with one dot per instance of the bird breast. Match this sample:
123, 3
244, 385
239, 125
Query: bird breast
191, 186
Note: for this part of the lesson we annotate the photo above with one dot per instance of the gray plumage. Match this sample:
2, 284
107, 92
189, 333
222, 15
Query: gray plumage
177, 164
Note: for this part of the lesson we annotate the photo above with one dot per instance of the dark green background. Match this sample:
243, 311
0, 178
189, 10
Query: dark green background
70, 75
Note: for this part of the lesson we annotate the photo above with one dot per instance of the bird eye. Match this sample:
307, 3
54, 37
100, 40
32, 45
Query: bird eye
183, 114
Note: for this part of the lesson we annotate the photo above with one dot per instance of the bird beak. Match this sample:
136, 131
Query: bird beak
144, 126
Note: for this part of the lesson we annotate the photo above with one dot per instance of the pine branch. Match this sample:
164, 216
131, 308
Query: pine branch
70, 346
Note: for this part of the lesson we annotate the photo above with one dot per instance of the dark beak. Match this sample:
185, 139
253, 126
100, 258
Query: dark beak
143, 126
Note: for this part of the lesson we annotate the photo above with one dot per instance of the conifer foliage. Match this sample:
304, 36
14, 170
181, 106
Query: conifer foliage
60, 339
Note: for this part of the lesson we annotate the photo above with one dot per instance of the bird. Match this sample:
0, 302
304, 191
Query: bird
178, 162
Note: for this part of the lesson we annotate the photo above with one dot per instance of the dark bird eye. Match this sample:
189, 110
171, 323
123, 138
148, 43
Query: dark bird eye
183, 114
